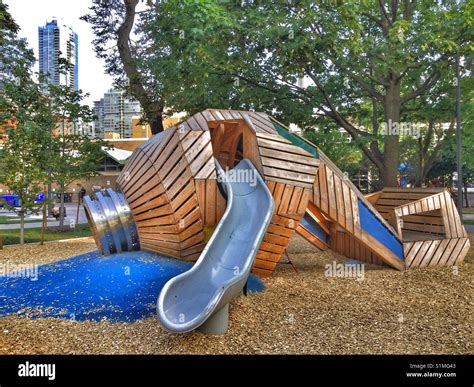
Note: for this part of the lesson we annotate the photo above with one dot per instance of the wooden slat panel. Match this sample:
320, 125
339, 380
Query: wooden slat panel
447, 252
456, 252
462, 254
288, 148
429, 254
439, 252
285, 200
290, 157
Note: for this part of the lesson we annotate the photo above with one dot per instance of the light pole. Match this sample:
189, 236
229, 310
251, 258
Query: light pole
458, 136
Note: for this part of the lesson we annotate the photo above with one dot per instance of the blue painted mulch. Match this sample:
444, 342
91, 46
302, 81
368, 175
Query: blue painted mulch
122, 287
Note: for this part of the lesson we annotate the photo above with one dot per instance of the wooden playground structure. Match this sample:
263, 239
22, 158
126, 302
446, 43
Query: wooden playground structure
171, 185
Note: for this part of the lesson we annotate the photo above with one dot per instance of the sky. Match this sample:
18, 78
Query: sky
30, 14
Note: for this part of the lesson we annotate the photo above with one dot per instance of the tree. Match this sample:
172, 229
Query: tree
70, 155
22, 116
159, 55
112, 22
388, 53
22, 174
435, 111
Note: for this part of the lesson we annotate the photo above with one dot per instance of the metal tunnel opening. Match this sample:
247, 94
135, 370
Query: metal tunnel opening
111, 222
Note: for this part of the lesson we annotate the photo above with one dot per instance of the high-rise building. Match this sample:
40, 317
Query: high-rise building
58, 41
114, 113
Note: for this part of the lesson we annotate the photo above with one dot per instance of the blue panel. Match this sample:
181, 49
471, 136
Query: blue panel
372, 226
122, 287
309, 223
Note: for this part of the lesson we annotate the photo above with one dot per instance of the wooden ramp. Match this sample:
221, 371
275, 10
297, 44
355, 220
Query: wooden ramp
356, 229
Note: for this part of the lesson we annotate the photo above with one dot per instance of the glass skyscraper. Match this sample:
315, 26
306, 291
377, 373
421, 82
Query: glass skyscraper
58, 41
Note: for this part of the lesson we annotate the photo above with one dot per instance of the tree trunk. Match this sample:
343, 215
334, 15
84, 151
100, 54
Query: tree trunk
157, 125
153, 108
391, 152
22, 227
61, 208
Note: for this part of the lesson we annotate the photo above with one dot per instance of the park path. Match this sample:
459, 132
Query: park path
71, 211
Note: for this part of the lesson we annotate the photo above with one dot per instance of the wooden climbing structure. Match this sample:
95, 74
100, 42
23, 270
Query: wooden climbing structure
171, 186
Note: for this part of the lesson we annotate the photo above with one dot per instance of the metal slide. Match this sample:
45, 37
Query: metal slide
199, 298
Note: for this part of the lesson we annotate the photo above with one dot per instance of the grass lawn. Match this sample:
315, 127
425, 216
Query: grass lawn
468, 221
16, 220
469, 210
11, 237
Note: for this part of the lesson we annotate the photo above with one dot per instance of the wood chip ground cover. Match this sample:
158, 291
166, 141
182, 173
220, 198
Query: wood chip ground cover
389, 312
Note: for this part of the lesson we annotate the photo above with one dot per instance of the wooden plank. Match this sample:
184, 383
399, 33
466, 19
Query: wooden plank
311, 238
439, 252
323, 190
154, 193
331, 194
207, 171
295, 200
272, 248
287, 181
288, 148
261, 272
178, 184
355, 214
288, 175
278, 230
429, 254
157, 202
178, 169
186, 208
289, 166
285, 200
202, 121
462, 254
373, 197
211, 203
455, 253
427, 191
289, 157
251, 149
444, 213
267, 256
411, 254
277, 195
450, 212
189, 138
388, 257
276, 239
341, 214
191, 231
447, 252
348, 208
201, 159
305, 197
